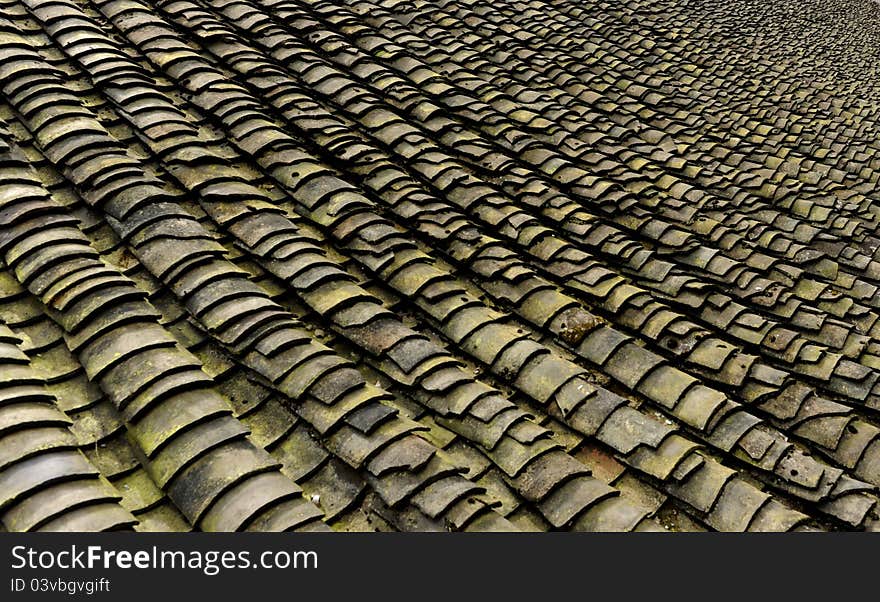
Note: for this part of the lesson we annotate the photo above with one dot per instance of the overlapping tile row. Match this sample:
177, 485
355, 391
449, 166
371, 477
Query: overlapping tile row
269, 424
421, 266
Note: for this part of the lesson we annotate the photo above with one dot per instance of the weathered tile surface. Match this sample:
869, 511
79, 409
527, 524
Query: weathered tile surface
457, 265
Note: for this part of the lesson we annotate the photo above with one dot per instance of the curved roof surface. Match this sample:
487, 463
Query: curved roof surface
461, 265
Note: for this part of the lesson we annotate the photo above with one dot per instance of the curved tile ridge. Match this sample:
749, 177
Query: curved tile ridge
192, 446
46, 483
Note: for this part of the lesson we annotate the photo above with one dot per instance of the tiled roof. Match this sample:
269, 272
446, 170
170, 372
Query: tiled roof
456, 265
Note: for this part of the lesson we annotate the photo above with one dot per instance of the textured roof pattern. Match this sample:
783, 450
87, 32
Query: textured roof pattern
470, 265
